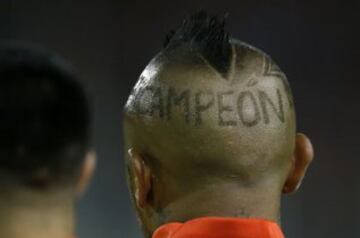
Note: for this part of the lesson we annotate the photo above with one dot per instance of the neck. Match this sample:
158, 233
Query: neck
227, 200
32, 215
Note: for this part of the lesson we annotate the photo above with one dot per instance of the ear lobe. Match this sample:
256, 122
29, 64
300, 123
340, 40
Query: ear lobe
142, 178
303, 155
86, 172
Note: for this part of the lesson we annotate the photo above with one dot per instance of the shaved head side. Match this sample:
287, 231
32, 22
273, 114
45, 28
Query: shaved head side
210, 109
186, 114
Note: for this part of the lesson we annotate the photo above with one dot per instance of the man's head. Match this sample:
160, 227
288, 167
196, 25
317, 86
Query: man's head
210, 128
44, 125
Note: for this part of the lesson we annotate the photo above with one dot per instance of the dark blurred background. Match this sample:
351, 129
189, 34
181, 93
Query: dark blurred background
315, 42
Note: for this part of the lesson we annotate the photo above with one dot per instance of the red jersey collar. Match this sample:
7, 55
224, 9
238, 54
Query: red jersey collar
220, 227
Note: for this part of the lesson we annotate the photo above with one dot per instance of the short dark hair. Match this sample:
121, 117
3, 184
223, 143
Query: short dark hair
44, 117
206, 34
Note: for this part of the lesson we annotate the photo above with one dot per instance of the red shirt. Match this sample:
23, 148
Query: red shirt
220, 227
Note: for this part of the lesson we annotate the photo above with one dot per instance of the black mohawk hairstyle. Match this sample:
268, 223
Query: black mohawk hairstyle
207, 35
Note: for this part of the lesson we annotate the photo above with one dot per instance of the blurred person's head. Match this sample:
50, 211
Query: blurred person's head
45, 158
210, 130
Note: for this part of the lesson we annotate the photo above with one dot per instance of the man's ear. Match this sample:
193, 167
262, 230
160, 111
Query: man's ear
86, 173
302, 157
142, 178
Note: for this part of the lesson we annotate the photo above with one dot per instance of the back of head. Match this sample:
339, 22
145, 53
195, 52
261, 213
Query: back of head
209, 111
44, 124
